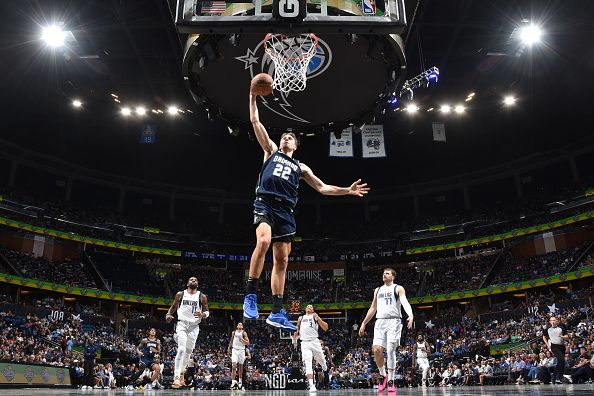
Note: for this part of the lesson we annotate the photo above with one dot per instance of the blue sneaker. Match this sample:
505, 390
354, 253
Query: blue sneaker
250, 306
280, 320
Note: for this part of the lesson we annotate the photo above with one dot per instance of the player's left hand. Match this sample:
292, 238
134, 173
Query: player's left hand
358, 189
198, 314
410, 322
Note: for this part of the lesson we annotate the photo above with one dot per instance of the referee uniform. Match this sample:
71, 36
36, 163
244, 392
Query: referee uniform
553, 334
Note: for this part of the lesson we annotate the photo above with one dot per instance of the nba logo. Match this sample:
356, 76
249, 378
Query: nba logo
368, 7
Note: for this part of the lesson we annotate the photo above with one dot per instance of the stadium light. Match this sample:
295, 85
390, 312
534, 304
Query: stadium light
412, 108
172, 110
509, 100
126, 111
140, 111
76, 103
459, 109
53, 36
445, 109
530, 34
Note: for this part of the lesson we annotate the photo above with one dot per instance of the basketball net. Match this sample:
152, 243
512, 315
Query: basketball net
291, 56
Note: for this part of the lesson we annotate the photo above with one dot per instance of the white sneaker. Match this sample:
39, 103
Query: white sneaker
148, 387
130, 387
84, 387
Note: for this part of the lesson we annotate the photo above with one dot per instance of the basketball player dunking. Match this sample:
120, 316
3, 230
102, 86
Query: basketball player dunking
239, 340
307, 328
192, 308
387, 300
276, 197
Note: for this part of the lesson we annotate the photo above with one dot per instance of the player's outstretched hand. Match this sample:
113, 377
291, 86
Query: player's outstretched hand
168, 317
358, 189
362, 330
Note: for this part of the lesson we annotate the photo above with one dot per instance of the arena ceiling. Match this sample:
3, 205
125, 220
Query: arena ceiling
131, 48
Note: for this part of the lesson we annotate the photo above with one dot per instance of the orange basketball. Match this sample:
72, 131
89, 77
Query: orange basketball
261, 84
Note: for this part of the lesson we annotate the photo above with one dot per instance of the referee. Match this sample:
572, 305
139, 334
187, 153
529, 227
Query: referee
554, 339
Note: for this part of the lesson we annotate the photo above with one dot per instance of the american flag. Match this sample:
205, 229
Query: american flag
213, 7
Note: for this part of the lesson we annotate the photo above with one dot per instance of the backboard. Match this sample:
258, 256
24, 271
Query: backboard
359, 64
290, 16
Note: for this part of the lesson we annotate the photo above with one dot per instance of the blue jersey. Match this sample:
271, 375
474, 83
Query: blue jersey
146, 350
279, 178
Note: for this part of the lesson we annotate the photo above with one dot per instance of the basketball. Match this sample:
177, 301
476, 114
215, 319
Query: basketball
261, 84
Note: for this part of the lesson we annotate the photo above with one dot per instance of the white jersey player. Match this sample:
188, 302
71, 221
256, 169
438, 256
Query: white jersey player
421, 351
239, 341
192, 308
387, 302
307, 330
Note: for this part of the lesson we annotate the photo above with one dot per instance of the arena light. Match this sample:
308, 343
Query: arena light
126, 111
412, 108
76, 103
530, 34
53, 36
459, 109
140, 111
445, 109
422, 80
509, 100
172, 110
430, 109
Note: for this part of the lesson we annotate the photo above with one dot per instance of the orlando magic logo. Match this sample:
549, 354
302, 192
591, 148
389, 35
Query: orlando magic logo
256, 60
8, 373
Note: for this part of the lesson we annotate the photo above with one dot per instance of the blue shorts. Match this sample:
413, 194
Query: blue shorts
148, 362
278, 215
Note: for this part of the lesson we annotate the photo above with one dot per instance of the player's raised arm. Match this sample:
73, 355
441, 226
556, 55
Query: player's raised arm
357, 189
261, 134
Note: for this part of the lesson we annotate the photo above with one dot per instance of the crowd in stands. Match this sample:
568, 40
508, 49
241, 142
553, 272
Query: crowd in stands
106, 223
226, 284
68, 272
460, 351
518, 268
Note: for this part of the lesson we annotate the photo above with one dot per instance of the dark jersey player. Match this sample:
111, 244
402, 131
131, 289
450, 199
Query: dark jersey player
276, 197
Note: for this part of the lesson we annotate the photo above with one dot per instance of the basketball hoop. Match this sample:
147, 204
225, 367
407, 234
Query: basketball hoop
291, 56
294, 338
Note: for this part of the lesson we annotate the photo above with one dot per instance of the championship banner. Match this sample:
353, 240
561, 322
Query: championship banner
342, 146
148, 134
372, 141
439, 132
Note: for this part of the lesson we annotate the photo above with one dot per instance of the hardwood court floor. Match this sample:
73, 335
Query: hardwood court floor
527, 390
